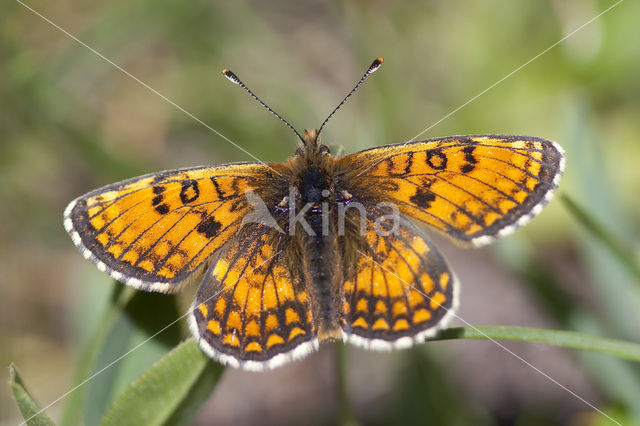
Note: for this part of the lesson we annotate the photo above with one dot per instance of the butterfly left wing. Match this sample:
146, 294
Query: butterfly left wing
156, 232
398, 290
471, 188
252, 310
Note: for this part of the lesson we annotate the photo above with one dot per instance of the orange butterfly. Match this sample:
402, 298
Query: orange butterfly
319, 247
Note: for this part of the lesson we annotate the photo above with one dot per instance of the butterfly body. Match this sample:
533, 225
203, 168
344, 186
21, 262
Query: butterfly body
313, 193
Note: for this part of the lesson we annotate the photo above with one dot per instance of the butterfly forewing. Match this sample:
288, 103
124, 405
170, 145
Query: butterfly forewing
472, 188
156, 231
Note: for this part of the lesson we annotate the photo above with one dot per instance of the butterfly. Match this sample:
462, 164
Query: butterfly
319, 247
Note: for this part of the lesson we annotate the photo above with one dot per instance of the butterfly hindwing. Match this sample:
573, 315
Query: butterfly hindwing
252, 310
472, 188
398, 290
156, 231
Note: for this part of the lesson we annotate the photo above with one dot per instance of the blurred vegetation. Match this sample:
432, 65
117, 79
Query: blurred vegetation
71, 122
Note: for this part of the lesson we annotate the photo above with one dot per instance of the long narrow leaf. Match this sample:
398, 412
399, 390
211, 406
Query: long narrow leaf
141, 336
567, 339
197, 396
28, 407
158, 396
75, 406
625, 254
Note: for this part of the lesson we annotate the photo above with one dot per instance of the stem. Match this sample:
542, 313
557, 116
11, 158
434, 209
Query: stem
347, 415
567, 339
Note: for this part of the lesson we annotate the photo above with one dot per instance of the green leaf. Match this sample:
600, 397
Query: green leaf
567, 339
30, 410
619, 249
198, 395
145, 330
136, 329
616, 378
75, 406
169, 392
601, 212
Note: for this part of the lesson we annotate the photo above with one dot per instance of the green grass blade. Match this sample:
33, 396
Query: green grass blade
161, 395
625, 254
75, 406
28, 407
144, 332
567, 339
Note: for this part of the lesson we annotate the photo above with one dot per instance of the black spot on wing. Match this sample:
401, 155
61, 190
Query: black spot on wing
469, 158
407, 168
237, 205
162, 209
219, 193
436, 159
422, 198
209, 227
156, 202
189, 192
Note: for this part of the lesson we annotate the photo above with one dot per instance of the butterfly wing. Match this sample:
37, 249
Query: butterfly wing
398, 290
252, 310
155, 232
472, 188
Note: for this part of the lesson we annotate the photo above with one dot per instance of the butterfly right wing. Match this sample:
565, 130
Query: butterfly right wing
472, 188
252, 310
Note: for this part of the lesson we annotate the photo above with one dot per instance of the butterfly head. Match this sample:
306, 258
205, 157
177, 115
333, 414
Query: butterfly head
311, 147
310, 137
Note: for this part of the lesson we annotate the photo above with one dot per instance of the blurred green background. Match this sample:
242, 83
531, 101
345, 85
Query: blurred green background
71, 122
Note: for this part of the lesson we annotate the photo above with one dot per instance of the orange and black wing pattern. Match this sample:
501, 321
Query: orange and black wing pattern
398, 290
155, 232
472, 188
252, 310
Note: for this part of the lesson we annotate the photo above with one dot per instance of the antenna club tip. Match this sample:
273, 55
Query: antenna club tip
231, 76
377, 63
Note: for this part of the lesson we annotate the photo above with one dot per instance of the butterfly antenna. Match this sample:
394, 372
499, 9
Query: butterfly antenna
372, 68
234, 79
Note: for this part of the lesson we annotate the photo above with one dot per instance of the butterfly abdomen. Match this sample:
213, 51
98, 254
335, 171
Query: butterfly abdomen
320, 257
323, 276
